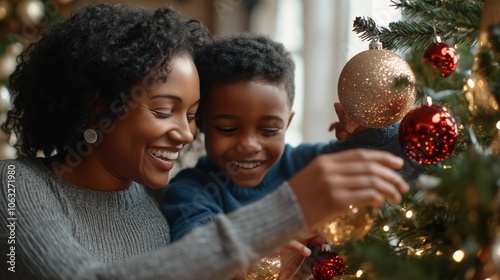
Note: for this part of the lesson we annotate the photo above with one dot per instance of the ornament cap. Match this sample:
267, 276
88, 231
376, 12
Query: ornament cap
375, 44
436, 39
427, 101
327, 247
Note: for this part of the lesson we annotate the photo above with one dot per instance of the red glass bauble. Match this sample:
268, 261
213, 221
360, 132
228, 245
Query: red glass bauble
443, 58
327, 265
428, 134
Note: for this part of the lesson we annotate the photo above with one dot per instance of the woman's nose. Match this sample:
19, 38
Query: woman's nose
182, 132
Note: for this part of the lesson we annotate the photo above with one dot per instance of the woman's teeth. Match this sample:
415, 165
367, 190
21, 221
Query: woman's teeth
164, 154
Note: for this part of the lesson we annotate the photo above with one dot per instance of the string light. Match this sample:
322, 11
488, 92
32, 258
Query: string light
458, 256
470, 83
409, 214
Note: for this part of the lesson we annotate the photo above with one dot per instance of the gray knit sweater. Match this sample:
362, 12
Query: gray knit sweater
54, 230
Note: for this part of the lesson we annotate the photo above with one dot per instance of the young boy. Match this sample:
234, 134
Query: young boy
247, 93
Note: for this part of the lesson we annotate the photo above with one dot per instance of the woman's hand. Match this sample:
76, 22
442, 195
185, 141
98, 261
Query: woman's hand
360, 177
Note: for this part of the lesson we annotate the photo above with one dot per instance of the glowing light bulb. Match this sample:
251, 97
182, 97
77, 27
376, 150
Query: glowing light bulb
458, 256
409, 214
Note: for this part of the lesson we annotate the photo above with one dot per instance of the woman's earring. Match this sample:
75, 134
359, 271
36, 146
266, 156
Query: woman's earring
90, 135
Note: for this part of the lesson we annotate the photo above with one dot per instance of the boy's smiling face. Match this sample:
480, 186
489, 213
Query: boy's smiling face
244, 125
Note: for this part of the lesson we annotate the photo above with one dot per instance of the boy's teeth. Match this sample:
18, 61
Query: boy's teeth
164, 154
247, 165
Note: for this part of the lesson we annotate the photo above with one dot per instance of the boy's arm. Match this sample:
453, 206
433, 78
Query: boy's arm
350, 135
187, 204
384, 139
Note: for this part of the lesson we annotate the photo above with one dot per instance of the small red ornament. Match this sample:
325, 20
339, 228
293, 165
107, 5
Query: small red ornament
443, 58
428, 134
327, 264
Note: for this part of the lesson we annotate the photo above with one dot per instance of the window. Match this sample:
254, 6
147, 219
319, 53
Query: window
319, 35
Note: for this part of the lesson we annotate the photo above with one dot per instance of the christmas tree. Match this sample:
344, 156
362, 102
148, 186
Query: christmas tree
21, 22
447, 226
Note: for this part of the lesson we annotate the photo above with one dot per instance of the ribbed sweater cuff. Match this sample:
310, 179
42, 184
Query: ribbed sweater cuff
280, 217
376, 137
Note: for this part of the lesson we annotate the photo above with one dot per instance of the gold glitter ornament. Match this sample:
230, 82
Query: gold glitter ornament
477, 89
376, 87
268, 268
353, 225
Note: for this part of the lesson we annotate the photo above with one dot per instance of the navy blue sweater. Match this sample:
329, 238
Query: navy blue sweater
196, 195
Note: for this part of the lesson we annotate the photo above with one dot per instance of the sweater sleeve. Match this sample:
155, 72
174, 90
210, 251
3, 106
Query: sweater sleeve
45, 247
385, 139
188, 204
224, 247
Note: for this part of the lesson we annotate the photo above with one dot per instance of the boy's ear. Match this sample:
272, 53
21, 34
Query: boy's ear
292, 113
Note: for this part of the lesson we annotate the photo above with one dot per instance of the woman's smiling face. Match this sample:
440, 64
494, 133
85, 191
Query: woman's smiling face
143, 144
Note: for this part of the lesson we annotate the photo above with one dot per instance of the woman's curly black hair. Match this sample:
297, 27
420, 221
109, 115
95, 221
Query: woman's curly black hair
99, 53
242, 57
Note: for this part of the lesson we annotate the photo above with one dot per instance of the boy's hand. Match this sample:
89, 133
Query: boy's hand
345, 127
298, 248
317, 241
292, 256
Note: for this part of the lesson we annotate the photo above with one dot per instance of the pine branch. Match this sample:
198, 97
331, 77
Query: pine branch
404, 35
368, 28
456, 14
399, 35
456, 22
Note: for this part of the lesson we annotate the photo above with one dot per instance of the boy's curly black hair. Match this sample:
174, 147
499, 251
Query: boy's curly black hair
99, 53
244, 56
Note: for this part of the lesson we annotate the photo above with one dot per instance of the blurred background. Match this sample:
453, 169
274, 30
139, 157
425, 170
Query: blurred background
317, 32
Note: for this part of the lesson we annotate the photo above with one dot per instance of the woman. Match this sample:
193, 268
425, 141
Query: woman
108, 97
